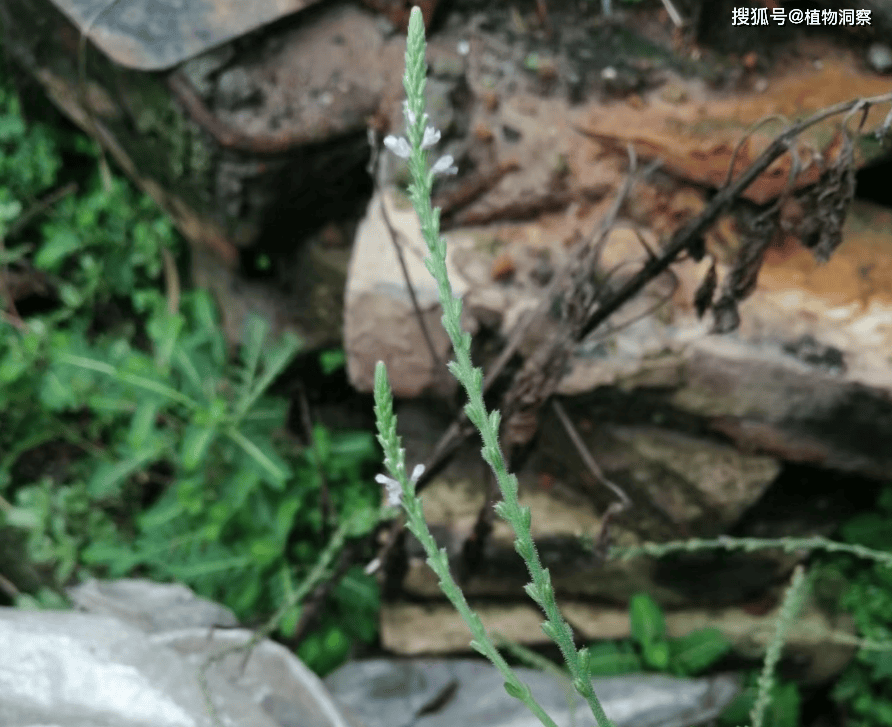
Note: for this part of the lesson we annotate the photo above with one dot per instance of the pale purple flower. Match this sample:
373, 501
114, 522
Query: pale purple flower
394, 489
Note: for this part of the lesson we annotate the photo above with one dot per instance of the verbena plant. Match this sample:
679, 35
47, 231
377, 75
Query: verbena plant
655, 649
419, 138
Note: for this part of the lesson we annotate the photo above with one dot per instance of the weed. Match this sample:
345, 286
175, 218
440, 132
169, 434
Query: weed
130, 443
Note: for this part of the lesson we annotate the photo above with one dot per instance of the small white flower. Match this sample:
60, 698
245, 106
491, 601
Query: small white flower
445, 165
409, 114
463, 47
394, 489
431, 137
400, 146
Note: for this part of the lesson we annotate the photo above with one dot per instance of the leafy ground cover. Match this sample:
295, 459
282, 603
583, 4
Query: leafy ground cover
132, 442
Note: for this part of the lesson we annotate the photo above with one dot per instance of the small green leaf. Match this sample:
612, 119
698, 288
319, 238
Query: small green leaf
165, 510
71, 295
237, 489
109, 477
157, 387
278, 357
549, 630
186, 366
362, 522
88, 363
272, 468
359, 595
870, 529
205, 313
55, 395
245, 599
782, 711
265, 551
881, 668
60, 243
13, 365
521, 692
164, 331
332, 360
191, 493
217, 410
691, 654
196, 442
479, 647
607, 658
274, 362
21, 517
648, 624
288, 621
207, 567
285, 517
656, 654
256, 330
322, 442
142, 423
117, 557
354, 446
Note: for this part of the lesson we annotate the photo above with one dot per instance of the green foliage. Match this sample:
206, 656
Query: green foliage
96, 246
614, 657
100, 249
353, 617
782, 710
865, 688
697, 651
29, 157
649, 630
44, 599
650, 648
332, 360
130, 442
237, 512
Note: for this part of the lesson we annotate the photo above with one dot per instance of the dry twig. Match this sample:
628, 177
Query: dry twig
534, 384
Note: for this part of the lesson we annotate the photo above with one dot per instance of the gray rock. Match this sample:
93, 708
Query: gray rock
149, 606
879, 56
236, 89
132, 666
69, 669
379, 317
444, 693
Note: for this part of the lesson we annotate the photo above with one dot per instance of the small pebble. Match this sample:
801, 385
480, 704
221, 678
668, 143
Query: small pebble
879, 56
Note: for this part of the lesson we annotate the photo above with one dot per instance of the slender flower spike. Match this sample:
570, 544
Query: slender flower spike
420, 136
394, 489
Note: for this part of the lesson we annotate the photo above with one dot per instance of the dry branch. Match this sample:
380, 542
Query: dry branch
574, 307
